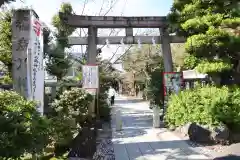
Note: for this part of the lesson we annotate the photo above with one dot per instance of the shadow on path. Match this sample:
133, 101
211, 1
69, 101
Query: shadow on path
228, 157
162, 149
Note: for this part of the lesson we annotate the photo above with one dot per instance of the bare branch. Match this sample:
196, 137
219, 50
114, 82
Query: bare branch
113, 30
101, 8
113, 3
126, 51
114, 53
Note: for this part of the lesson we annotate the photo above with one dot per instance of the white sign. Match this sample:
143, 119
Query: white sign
90, 76
35, 52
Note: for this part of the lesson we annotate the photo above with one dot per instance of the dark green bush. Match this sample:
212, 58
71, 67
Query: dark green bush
229, 111
105, 81
6, 80
208, 105
104, 108
154, 89
22, 128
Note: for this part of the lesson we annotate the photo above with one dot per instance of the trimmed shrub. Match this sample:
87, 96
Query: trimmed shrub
70, 114
229, 111
22, 128
73, 103
104, 108
208, 105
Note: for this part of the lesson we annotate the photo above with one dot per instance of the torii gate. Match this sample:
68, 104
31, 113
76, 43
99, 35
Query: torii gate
95, 22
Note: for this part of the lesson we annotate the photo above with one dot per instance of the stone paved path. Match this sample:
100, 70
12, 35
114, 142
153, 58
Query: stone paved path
139, 141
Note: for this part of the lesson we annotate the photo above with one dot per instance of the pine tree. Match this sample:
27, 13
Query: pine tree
58, 61
212, 31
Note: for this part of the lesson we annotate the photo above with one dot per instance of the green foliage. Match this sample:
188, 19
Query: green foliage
145, 67
6, 39
22, 129
231, 22
208, 105
154, 88
6, 80
213, 66
201, 24
58, 60
210, 44
228, 112
211, 28
104, 108
58, 63
71, 113
107, 77
47, 38
190, 62
139, 63
63, 30
63, 130
74, 103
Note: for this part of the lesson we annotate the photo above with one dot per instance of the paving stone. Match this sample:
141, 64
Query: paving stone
139, 141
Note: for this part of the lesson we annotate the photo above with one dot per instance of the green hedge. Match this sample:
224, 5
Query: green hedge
207, 105
24, 132
22, 129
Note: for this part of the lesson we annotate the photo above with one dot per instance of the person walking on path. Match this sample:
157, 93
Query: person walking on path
111, 95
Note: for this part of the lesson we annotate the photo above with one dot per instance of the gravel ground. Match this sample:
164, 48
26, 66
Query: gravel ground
105, 151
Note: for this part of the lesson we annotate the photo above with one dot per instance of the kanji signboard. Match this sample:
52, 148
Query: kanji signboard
90, 76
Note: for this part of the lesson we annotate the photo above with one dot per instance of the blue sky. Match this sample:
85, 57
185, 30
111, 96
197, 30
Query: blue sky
47, 8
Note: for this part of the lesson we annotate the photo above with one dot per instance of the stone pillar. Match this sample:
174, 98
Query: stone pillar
20, 39
167, 56
118, 120
91, 60
166, 50
120, 86
156, 117
92, 45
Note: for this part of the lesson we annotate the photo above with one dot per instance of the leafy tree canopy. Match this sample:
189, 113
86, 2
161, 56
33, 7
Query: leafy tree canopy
144, 67
63, 30
6, 39
212, 31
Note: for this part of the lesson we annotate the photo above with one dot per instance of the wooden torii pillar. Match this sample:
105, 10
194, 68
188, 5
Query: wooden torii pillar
95, 22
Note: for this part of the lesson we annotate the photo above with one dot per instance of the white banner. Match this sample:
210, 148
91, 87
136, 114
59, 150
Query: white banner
90, 76
35, 52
